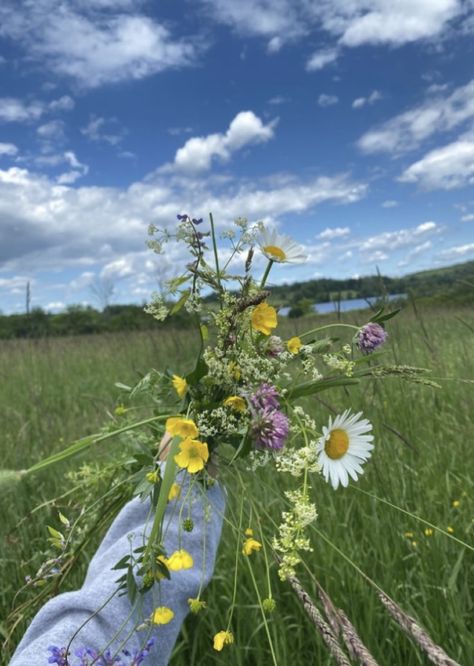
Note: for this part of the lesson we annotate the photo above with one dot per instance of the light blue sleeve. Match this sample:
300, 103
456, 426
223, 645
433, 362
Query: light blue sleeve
60, 617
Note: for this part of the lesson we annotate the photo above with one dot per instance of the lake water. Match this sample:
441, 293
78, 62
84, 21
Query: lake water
345, 305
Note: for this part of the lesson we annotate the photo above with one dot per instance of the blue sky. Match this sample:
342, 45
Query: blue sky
347, 124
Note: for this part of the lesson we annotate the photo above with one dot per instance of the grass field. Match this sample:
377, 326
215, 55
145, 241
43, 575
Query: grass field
54, 391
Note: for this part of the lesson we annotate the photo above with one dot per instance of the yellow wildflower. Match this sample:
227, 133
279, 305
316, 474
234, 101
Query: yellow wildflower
193, 455
236, 402
120, 410
175, 491
153, 477
196, 605
248, 532
264, 318
428, 531
179, 427
251, 545
234, 370
414, 544
456, 504
450, 530
294, 345
162, 615
180, 385
223, 638
409, 535
179, 560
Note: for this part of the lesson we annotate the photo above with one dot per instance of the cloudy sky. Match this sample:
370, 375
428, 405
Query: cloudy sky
348, 124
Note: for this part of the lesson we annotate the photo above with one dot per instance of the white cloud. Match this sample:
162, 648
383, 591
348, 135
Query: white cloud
468, 218
64, 103
13, 110
327, 100
51, 131
94, 47
393, 240
44, 224
360, 102
277, 100
457, 252
198, 152
409, 129
96, 130
320, 59
77, 171
274, 45
334, 232
348, 23
444, 168
390, 203
8, 150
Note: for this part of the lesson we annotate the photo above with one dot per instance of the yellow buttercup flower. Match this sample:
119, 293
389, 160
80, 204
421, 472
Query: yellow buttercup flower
175, 491
236, 402
234, 370
251, 545
223, 638
409, 535
264, 318
179, 427
450, 529
180, 385
248, 532
456, 504
193, 455
294, 345
179, 560
162, 615
428, 531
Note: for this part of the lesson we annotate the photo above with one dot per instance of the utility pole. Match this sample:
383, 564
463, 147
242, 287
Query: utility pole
28, 297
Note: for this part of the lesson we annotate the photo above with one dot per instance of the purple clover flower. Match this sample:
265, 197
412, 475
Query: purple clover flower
371, 336
265, 397
270, 428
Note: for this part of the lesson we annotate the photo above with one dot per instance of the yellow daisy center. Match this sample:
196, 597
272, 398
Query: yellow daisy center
337, 444
275, 252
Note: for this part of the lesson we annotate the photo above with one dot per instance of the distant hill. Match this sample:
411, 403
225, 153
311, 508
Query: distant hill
452, 285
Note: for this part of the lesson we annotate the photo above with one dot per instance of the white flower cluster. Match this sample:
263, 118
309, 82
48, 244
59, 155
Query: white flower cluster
157, 308
297, 461
216, 422
193, 304
291, 538
340, 362
305, 418
256, 459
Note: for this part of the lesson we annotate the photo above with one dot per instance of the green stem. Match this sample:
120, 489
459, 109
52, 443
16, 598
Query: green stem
85, 443
168, 478
216, 257
322, 328
267, 271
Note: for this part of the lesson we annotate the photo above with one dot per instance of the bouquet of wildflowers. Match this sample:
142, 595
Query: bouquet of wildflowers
238, 408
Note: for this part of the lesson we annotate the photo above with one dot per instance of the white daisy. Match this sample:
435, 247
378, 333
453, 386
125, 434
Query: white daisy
344, 445
280, 248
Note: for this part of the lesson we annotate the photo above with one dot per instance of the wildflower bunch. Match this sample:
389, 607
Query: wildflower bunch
237, 407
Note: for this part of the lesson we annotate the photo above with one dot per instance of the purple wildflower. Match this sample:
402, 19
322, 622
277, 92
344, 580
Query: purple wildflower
265, 397
275, 346
270, 429
59, 656
371, 336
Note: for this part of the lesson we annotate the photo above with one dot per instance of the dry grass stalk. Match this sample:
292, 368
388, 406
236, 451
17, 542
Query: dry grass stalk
341, 623
321, 625
435, 653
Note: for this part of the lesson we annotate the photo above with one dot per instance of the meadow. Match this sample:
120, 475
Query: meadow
55, 390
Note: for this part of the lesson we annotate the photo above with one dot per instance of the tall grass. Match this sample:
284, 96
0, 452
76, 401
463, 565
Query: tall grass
54, 391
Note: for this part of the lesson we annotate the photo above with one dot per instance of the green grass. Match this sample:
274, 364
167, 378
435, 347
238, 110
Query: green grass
51, 392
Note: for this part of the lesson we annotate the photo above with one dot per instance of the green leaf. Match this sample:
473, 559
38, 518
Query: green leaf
310, 388
179, 304
54, 533
121, 564
131, 585
198, 373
